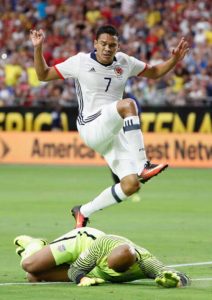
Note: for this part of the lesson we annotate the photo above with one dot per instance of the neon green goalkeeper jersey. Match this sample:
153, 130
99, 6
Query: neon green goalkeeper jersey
93, 262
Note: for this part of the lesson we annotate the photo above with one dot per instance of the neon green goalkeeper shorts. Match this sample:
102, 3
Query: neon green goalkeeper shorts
69, 246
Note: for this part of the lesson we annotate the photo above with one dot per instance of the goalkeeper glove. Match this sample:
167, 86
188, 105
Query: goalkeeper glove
168, 279
86, 281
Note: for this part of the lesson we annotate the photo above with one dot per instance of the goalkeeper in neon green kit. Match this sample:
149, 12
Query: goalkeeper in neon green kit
88, 257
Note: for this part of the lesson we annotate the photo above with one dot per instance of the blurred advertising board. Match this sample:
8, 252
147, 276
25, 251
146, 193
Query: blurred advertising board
67, 148
154, 119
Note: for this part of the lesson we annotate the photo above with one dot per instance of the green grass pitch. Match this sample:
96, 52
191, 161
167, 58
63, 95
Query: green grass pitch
173, 220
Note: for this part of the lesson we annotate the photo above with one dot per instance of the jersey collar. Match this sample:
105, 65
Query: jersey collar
93, 56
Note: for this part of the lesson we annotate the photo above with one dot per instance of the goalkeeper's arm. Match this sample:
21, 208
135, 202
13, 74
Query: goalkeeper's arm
78, 276
83, 265
75, 274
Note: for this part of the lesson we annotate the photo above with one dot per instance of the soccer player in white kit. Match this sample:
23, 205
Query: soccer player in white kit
106, 122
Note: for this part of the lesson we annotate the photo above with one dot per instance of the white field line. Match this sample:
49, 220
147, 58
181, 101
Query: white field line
33, 283
61, 283
173, 266
192, 264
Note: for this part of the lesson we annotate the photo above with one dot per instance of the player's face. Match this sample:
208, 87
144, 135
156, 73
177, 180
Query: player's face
106, 47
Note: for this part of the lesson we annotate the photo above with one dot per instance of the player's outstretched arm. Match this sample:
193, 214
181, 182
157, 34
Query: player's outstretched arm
44, 72
177, 54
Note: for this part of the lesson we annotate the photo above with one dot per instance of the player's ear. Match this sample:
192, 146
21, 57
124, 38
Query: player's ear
95, 43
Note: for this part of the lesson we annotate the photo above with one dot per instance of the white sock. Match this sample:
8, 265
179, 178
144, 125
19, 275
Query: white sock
109, 196
132, 130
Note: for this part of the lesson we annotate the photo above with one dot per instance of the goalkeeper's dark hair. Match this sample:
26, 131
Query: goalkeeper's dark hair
107, 29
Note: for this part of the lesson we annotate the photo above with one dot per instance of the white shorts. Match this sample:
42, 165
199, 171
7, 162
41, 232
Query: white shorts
105, 135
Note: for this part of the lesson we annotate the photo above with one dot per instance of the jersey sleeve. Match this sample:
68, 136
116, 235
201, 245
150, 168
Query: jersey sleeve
136, 66
85, 262
69, 68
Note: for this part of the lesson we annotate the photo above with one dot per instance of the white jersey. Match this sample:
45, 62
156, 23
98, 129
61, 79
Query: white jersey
98, 84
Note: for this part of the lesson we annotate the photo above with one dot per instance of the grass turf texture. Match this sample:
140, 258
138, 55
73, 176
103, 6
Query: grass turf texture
173, 220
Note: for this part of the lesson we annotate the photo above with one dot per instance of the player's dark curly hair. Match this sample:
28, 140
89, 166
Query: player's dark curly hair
107, 29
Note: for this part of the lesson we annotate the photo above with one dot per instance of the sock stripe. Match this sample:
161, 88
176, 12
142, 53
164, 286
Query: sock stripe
116, 197
131, 127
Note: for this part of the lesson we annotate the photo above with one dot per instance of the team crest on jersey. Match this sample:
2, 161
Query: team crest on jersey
118, 70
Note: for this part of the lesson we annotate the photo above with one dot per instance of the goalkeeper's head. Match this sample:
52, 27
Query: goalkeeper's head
121, 258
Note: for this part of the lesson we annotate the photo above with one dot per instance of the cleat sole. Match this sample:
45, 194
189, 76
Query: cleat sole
148, 178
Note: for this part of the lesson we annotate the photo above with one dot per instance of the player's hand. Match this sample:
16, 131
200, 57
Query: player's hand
37, 37
168, 279
181, 50
86, 281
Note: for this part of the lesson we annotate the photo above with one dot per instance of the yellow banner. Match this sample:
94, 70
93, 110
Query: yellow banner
67, 148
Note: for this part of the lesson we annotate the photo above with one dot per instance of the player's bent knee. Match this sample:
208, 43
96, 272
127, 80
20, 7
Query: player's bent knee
28, 265
130, 185
134, 187
127, 107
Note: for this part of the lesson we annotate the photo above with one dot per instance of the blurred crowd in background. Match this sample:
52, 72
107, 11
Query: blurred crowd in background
148, 31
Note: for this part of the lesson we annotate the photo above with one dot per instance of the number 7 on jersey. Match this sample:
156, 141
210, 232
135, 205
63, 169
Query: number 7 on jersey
108, 84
